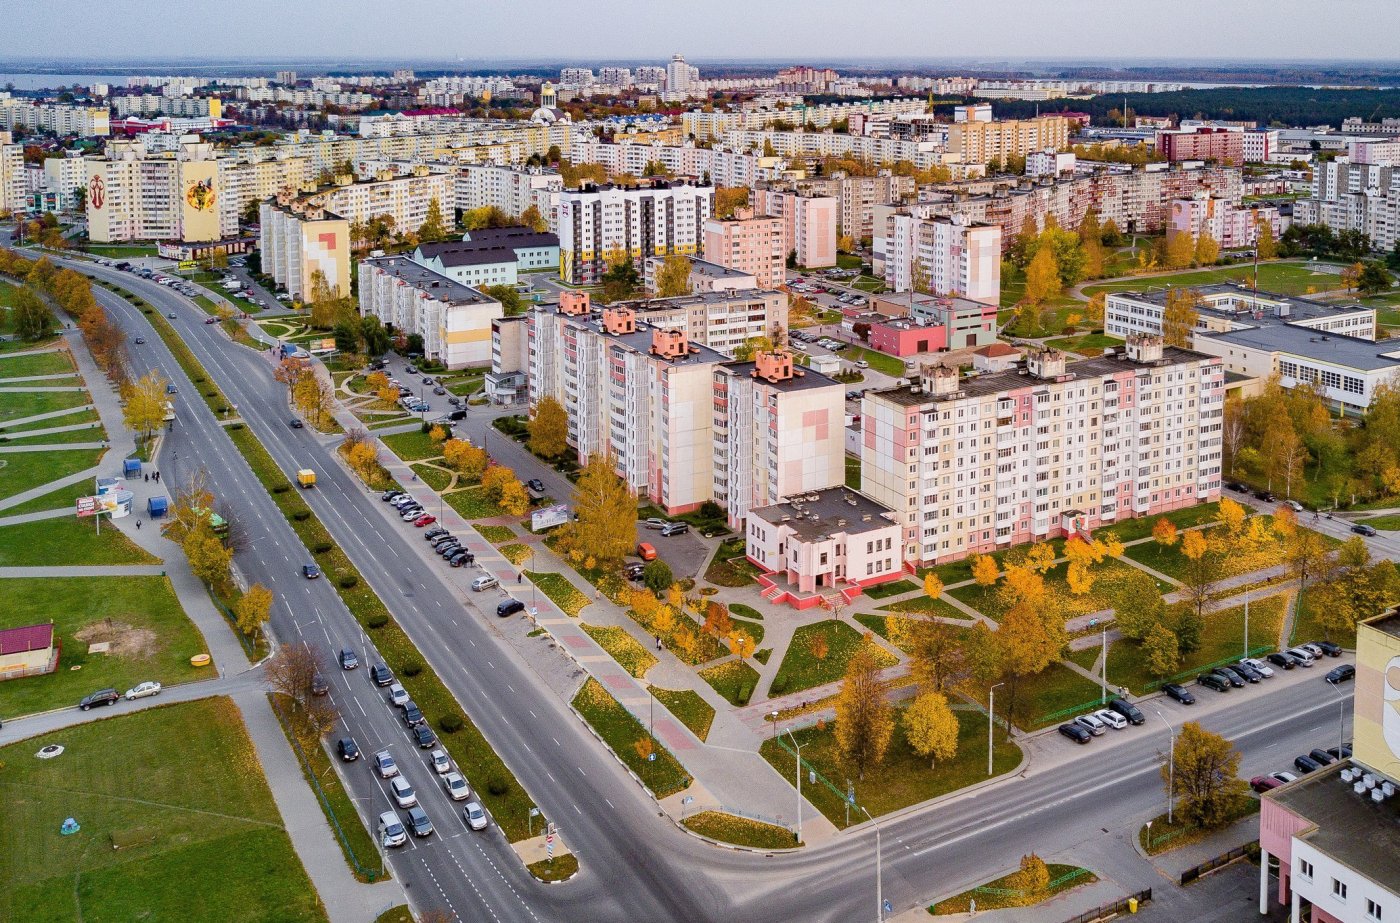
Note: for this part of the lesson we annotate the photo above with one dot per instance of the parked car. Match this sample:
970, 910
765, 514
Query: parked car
424, 736
1322, 757
646, 551
1234, 679
426, 519
391, 494
484, 582
1260, 666
654, 522
1249, 673
460, 557
1340, 753
442, 763
310, 571
1179, 693
1262, 784
1328, 648
1304, 658
1313, 649
509, 607
391, 831
1214, 681
384, 765
1282, 660
1076, 733
675, 528
1265, 495
456, 786
475, 815
410, 513
397, 695
347, 748
418, 821
100, 697
1127, 710
403, 792
1362, 529
1091, 724
1284, 777
1294, 505
633, 571
439, 390
434, 532
1111, 718
1341, 674
412, 714
141, 690
1306, 764
381, 674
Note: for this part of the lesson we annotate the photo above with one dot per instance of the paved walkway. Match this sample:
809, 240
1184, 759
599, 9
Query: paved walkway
52, 447
51, 430
35, 517
9, 425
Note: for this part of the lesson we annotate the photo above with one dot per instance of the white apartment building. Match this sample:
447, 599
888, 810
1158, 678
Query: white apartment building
169, 196
722, 167
404, 198
948, 256
210, 107
62, 175
680, 76
454, 320
651, 219
298, 240
719, 320
1355, 197
12, 181
491, 256
85, 121
510, 189
242, 182
1231, 225
982, 463
793, 144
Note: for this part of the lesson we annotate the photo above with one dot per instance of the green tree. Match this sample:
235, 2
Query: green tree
673, 277
1204, 777
1161, 651
1374, 278
931, 727
657, 576
376, 338
30, 316
621, 280
549, 429
347, 337
433, 227
1139, 604
511, 302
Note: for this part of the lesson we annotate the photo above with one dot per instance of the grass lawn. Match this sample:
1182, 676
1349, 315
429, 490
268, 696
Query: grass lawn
630, 740
1386, 523
888, 627
625, 649
151, 637
853, 473
54, 363
960, 571
200, 835
928, 605
412, 446
1086, 344
63, 498
1100, 595
689, 708
998, 894
71, 418
1132, 529
746, 612
1173, 563
802, 668
435, 478
67, 540
559, 589
496, 534
880, 362
1221, 640
473, 504
741, 831
399, 914
903, 779
1163, 837
91, 433
893, 588
729, 567
1285, 278
1051, 320
25, 470
15, 405
733, 679
555, 868
752, 629
1041, 698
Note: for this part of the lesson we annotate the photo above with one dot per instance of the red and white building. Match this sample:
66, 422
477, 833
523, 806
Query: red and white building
1232, 225
1224, 145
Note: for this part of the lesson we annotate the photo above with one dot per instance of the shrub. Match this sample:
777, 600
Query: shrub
498, 785
378, 620
348, 581
321, 547
277, 488
301, 515
412, 667
450, 724
235, 426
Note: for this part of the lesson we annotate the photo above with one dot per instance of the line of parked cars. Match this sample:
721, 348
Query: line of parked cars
409, 509
1305, 763
1118, 714
1253, 670
454, 551
112, 696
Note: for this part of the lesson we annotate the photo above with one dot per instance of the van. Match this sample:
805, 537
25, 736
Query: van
1304, 658
645, 551
509, 607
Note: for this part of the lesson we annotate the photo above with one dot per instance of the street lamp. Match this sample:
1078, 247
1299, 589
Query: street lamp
1246, 625
1171, 766
773, 717
879, 872
1341, 717
798, 773
991, 721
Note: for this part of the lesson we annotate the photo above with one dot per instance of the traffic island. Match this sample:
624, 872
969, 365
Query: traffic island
546, 856
1033, 883
1159, 835
740, 831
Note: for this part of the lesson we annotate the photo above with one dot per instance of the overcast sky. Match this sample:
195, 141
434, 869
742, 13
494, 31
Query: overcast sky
784, 30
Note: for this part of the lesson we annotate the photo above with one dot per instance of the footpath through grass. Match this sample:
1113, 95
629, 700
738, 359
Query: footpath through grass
177, 823
65, 540
819, 654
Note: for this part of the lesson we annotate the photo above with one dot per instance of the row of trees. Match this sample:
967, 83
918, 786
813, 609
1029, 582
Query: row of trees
311, 394
71, 292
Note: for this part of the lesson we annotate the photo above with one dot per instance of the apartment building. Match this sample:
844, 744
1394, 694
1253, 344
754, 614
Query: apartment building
454, 320
406, 198
210, 107
720, 166
491, 256
944, 256
13, 188
704, 276
911, 323
1355, 197
809, 222
656, 218
242, 182
795, 144
975, 141
59, 119
511, 190
982, 463
751, 244
1231, 225
1219, 144
720, 320
299, 239
1331, 839
167, 196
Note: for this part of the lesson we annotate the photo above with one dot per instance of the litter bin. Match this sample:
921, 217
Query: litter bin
1132, 905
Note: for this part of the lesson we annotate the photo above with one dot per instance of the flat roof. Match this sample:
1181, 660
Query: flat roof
1350, 828
421, 277
640, 340
716, 271
698, 298
1352, 352
1388, 623
837, 509
803, 379
1299, 309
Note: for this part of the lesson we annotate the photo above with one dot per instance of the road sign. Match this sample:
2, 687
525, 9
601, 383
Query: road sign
889, 908
534, 812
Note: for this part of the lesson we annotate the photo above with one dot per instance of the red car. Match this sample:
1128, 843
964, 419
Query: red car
212, 320
1262, 784
426, 519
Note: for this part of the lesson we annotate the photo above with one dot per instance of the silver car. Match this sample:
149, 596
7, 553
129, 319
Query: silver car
391, 831
397, 694
1091, 724
456, 786
475, 815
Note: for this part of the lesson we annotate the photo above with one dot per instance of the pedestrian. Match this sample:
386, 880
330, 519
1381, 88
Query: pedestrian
146, 478
520, 577
138, 523
658, 642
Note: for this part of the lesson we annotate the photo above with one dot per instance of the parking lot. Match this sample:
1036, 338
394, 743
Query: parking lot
686, 554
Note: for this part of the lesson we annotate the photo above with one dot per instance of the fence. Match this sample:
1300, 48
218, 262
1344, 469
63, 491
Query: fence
761, 818
1195, 671
1075, 709
1022, 892
370, 874
1104, 911
1210, 865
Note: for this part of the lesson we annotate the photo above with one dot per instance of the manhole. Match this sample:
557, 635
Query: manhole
49, 752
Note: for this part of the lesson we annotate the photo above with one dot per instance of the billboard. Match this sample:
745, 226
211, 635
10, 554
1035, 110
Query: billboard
548, 517
199, 201
114, 504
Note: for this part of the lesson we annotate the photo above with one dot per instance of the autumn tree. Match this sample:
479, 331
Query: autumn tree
253, 610
1200, 572
534, 220
1164, 534
433, 227
1031, 879
1266, 246
549, 428
144, 412
937, 654
1031, 637
607, 513
931, 727
1042, 278
291, 671
1093, 311
1160, 651
1180, 316
985, 572
1180, 250
1357, 590
190, 506
1207, 249
466, 459
717, 621
1204, 777
314, 398
864, 719
673, 276
29, 315
729, 198
1138, 604
209, 559
1351, 276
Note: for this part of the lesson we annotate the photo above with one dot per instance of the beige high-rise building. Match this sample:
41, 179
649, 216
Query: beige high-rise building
12, 187
298, 241
983, 142
752, 244
172, 195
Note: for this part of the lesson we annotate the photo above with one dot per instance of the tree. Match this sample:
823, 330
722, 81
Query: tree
864, 719
549, 429
1199, 574
933, 587
1180, 250
514, 498
466, 459
717, 621
1351, 276
209, 559
936, 652
1204, 776
673, 278
1265, 245
931, 727
1374, 278
30, 316
291, 671
1180, 316
1042, 277
1207, 249
1031, 636
1093, 312
607, 513
1164, 534
532, 219
1031, 879
144, 411
347, 337
985, 572
1111, 236
328, 304
488, 216
1306, 554
621, 280
1138, 604
314, 398
657, 576
1160, 651
253, 610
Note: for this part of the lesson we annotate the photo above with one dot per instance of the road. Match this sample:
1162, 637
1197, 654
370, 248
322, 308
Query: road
635, 864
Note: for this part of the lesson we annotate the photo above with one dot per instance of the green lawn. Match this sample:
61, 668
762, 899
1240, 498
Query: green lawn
1388, 523
150, 634
853, 473
752, 629
21, 471
92, 433
435, 478
629, 739
1100, 595
1132, 529
497, 534
179, 789
1282, 278
473, 504
746, 612
741, 831
880, 362
67, 540
622, 647
1086, 344
1039, 698
729, 567
961, 570
802, 668
560, 591
734, 680
54, 363
928, 605
689, 708
903, 779
72, 418
893, 588
15, 405
412, 446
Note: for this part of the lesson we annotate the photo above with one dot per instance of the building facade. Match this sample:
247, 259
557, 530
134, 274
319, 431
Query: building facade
751, 244
171, 196
453, 319
809, 223
297, 241
944, 256
1223, 145
654, 219
976, 141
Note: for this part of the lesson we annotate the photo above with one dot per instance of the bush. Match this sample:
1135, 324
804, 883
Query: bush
235, 426
321, 547
348, 581
412, 667
378, 620
277, 488
657, 576
301, 515
450, 724
498, 785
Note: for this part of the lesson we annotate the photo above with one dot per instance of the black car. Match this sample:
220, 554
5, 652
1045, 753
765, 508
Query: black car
425, 736
347, 749
449, 549
390, 494
349, 660
1233, 677
1236, 486
1076, 733
1214, 681
1328, 648
1362, 529
1265, 495
1179, 693
1340, 753
412, 370
1127, 710
412, 714
319, 686
634, 570
381, 674
428, 380
536, 485
509, 607
1341, 674
1322, 757
310, 571
433, 532
675, 528
296, 424
1282, 660
439, 390
100, 697
1306, 764
461, 558
1248, 672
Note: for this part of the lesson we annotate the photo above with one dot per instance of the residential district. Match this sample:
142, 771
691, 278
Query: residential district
656, 495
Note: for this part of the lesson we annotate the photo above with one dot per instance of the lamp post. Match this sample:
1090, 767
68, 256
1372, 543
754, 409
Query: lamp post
798, 773
991, 722
1341, 718
1104, 673
1171, 766
879, 872
773, 717
1246, 625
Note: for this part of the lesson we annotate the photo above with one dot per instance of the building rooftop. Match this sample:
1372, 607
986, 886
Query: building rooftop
715, 271
26, 638
1388, 623
513, 236
454, 254
1351, 352
420, 277
1246, 306
827, 512
1362, 834
803, 379
640, 340
698, 298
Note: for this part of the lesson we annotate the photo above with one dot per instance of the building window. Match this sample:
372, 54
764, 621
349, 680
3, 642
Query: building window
1339, 890
1305, 869
1373, 910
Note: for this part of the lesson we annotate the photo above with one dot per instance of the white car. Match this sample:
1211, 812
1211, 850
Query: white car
1111, 718
442, 763
141, 690
403, 792
456, 786
483, 583
397, 694
384, 764
476, 817
1296, 506
1264, 669
1091, 724
391, 832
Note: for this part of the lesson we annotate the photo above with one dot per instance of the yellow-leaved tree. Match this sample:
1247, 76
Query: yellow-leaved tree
931, 727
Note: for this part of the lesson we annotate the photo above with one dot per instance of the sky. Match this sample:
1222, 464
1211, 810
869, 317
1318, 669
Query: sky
789, 31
